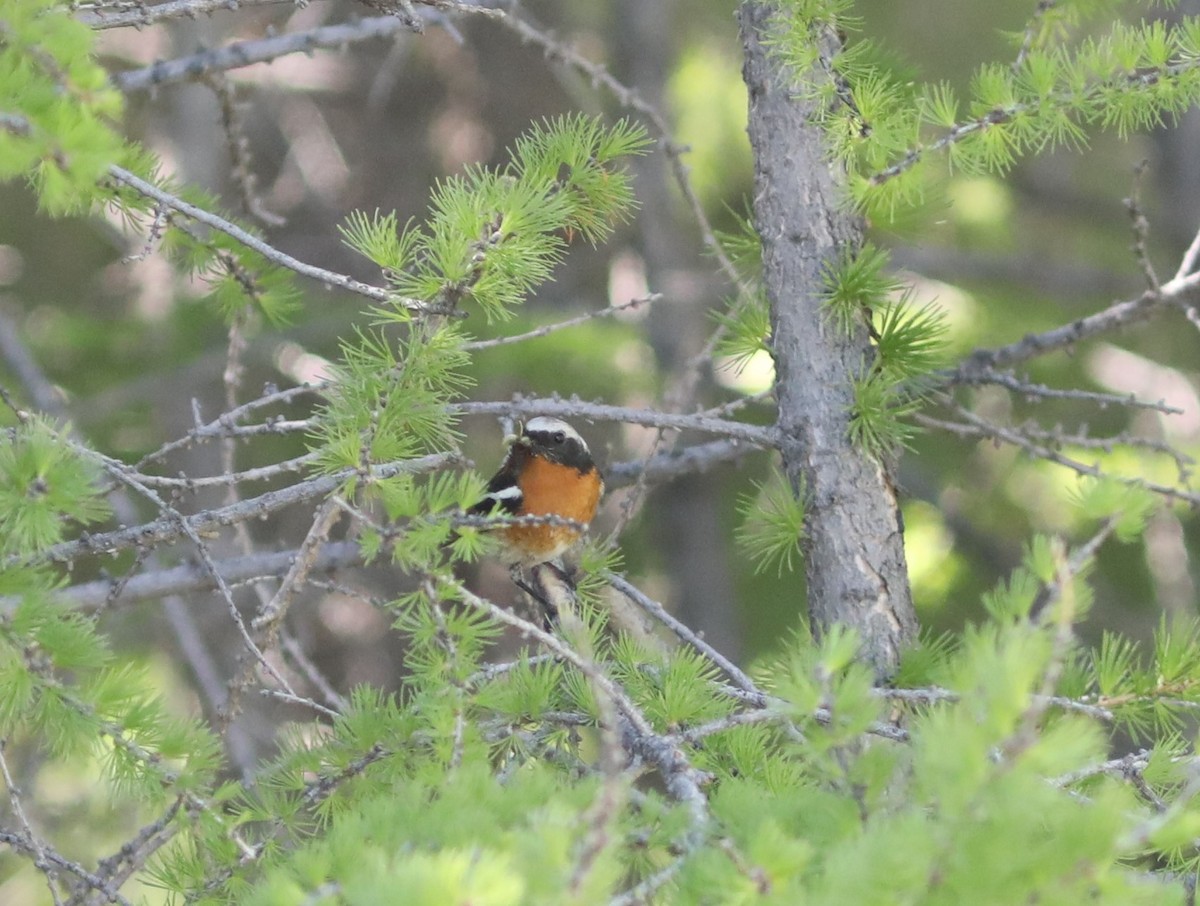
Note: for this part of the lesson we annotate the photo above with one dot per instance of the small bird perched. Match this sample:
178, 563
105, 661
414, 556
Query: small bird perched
548, 471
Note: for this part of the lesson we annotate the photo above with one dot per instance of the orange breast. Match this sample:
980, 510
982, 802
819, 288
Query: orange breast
547, 487
551, 489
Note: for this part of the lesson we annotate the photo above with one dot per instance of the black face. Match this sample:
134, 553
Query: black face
559, 446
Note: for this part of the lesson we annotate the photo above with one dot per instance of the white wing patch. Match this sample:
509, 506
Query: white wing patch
512, 492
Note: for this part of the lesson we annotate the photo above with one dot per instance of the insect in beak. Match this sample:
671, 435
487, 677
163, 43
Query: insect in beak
516, 438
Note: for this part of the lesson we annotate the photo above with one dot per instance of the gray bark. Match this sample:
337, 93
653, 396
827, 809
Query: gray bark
854, 547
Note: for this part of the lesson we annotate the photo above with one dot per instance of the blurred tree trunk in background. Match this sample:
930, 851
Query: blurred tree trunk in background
685, 523
855, 565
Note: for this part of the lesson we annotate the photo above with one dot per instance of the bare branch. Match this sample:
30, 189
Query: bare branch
122, 13
167, 529
689, 460
268, 619
574, 408
979, 427
1141, 230
272, 254
545, 330
224, 425
1031, 391
246, 53
656, 610
40, 861
1180, 292
242, 170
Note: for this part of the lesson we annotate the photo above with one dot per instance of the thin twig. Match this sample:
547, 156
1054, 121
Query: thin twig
272, 254
260, 50
133, 855
547, 329
656, 610
220, 425
1031, 29
169, 529
979, 427
755, 434
14, 800
139, 13
1031, 392
1141, 229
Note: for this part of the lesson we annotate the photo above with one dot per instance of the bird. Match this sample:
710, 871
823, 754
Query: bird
548, 471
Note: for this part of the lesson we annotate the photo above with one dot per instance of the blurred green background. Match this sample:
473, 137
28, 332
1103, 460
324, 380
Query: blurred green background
129, 346
374, 125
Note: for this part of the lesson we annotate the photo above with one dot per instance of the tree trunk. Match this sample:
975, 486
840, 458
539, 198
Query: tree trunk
854, 548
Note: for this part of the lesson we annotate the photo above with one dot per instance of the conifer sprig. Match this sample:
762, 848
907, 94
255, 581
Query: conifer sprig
493, 235
1132, 78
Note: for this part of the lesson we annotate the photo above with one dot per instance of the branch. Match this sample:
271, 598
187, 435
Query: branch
755, 434
133, 855
221, 426
245, 53
546, 329
999, 116
169, 529
1031, 392
139, 14
656, 610
1179, 292
272, 254
979, 427
691, 460
192, 577
681, 779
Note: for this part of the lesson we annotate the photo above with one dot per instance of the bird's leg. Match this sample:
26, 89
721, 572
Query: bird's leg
549, 611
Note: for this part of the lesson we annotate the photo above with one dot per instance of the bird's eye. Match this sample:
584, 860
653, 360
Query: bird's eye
559, 437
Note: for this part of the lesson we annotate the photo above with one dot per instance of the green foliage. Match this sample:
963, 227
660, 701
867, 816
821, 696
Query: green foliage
492, 236
46, 485
1128, 507
745, 323
62, 692
388, 397
59, 116
859, 283
484, 782
240, 280
910, 345
877, 422
743, 246
1133, 78
1148, 697
388, 402
984, 775
747, 330
910, 342
772, 526
57, 109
